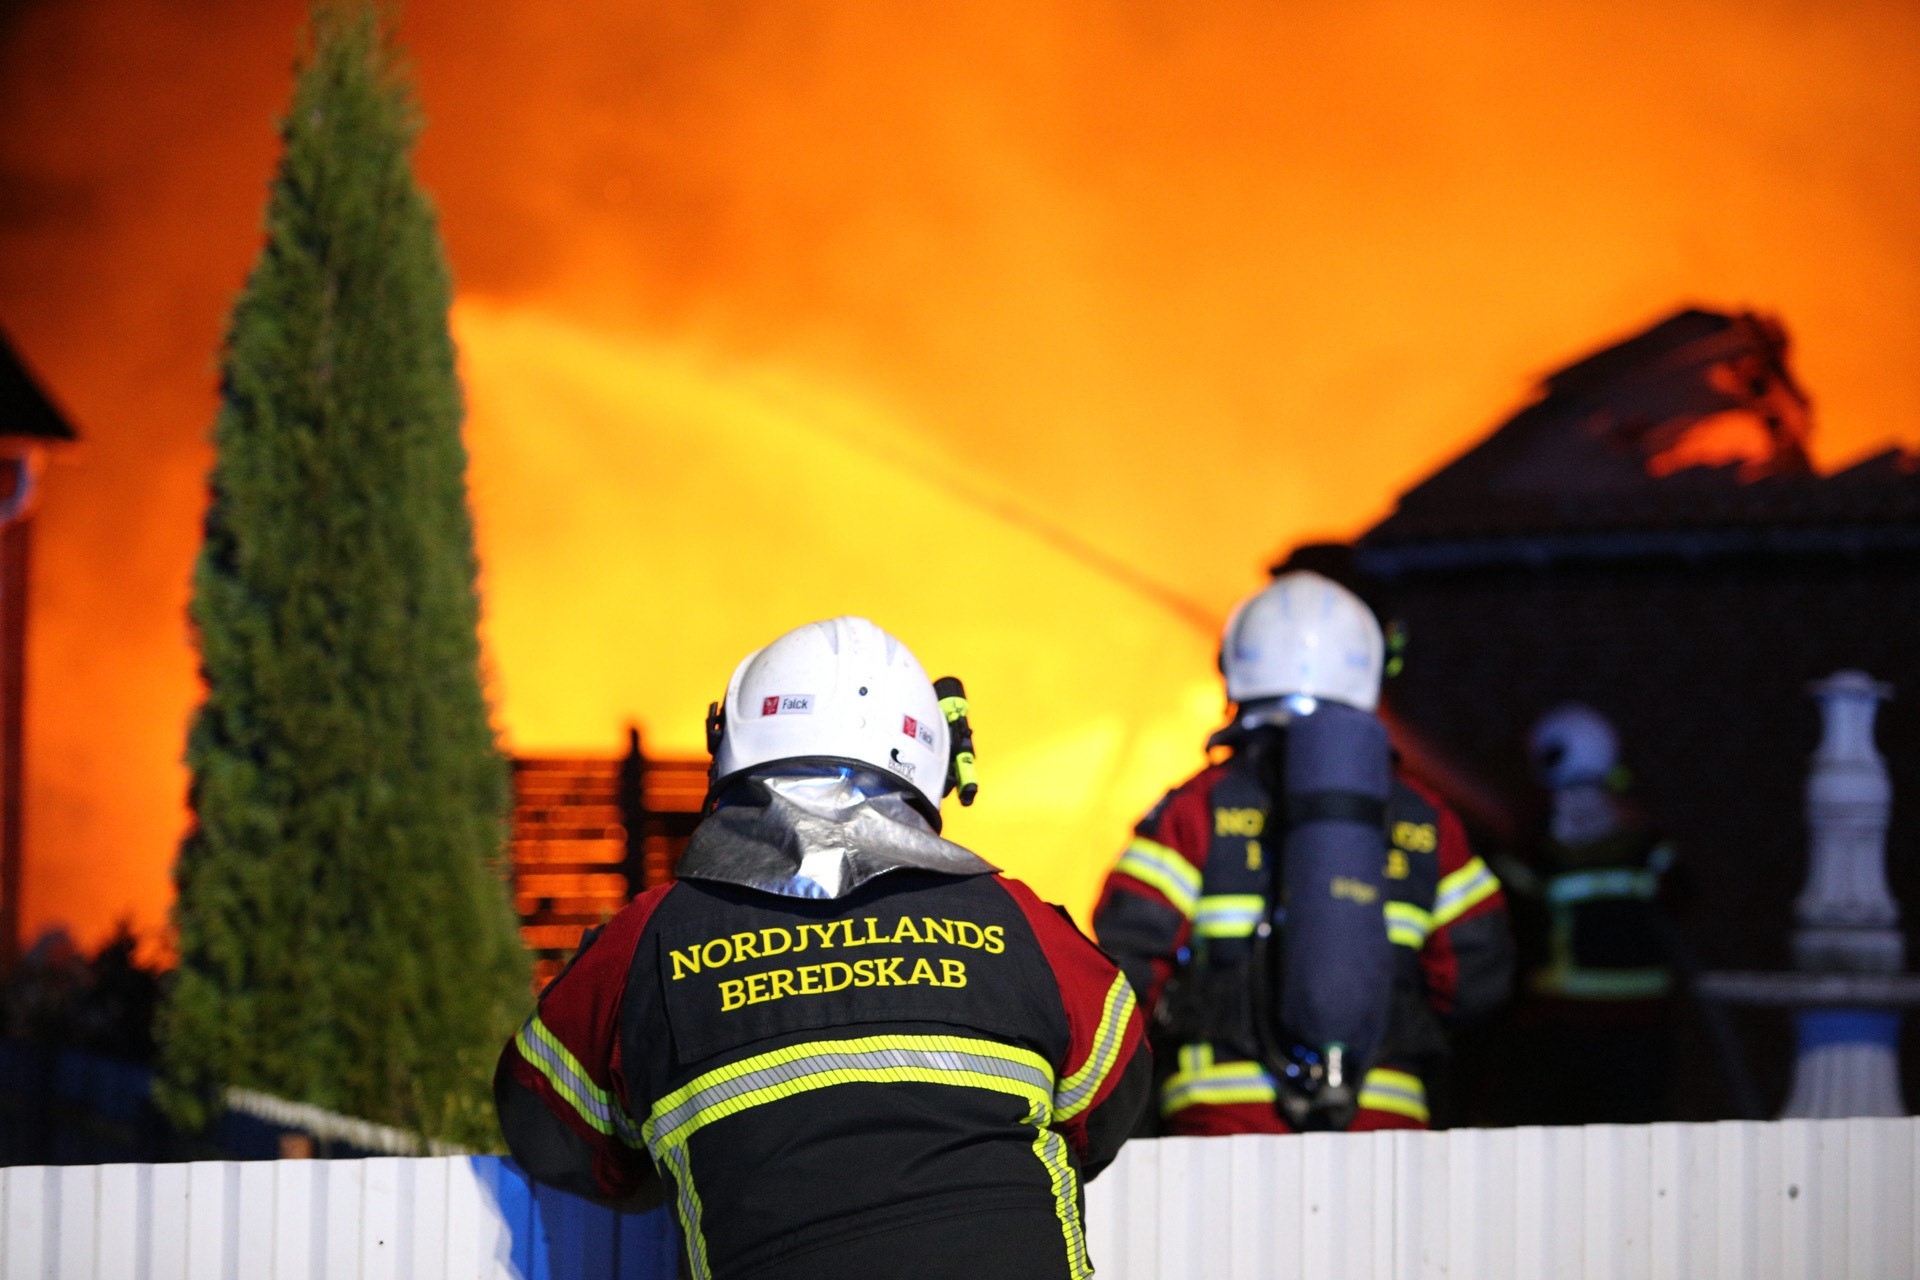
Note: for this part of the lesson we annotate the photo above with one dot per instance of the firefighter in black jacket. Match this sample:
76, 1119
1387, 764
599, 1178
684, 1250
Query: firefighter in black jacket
843, 1046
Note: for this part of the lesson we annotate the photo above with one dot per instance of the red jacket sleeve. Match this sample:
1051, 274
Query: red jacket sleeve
1145, 913
1467, 961
582, 1134
1106, 1074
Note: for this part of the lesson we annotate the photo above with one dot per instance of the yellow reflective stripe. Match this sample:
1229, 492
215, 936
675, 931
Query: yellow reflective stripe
1155, 865
768, 1077
1077, 1092
552, 1059
1052, 1150
1462, 891
1407, 924
1398, 1092
1228, 915
1603, 984
686, 1204
783, 1073
1200, 1082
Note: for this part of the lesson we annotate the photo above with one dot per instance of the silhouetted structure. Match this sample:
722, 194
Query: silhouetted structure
1648, 537
29, 425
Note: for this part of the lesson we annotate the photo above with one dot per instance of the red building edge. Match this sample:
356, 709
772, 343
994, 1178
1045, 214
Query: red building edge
30, 428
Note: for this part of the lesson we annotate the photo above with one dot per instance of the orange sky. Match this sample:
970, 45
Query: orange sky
771, 311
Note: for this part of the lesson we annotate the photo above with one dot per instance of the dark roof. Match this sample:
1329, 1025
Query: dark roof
1689, 437
25, 409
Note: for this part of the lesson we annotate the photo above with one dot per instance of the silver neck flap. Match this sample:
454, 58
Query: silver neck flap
818, 835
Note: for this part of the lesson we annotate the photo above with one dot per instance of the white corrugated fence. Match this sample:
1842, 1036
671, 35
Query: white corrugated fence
1802, 1198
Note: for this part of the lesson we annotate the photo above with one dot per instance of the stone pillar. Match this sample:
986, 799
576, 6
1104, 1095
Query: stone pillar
1848, 1063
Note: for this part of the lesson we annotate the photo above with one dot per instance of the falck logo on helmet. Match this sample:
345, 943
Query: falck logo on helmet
914, 729
787, 704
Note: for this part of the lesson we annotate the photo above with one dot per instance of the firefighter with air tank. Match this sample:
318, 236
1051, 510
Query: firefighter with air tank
843, 1046
1305, 924
1596, 1022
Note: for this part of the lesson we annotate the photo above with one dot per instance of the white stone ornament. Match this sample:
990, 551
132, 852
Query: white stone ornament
1848, 1061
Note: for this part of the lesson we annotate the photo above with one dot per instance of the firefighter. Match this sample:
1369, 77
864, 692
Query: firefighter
1599, 1003
1186, 908
840, 1044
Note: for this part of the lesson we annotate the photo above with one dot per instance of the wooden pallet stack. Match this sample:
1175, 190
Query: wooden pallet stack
589, 833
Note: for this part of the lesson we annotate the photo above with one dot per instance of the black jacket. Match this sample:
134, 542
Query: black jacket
912, 1079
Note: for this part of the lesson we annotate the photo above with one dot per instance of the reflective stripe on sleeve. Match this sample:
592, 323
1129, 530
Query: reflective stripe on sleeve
1462, 891
1228, 915
784, 1073
540, 1047
1408, 925
1615, 882
1077, 1092
1159, 867
1052, 1150
1398, 1092
1200, 1081
1602, 984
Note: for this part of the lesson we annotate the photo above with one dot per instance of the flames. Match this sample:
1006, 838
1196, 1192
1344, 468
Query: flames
1029, 329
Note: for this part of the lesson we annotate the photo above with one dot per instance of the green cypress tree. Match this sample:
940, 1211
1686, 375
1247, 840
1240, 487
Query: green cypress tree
344, 930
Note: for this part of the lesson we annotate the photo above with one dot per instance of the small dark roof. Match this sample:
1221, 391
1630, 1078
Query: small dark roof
25, 409
1618, 457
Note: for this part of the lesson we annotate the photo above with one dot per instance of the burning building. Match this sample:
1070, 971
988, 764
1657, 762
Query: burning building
1649, 538
29, 427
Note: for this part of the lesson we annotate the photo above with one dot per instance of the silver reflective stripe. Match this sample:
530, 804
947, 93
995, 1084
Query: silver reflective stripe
1078, 1089
540, 1047
1585, 886
1229, 915
814, 1066
783, 1073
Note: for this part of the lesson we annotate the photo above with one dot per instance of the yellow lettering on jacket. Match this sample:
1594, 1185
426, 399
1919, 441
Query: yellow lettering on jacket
836, 975
863, 931
824, 930
1416, 837
1238, 822
1353, 890
1397, 865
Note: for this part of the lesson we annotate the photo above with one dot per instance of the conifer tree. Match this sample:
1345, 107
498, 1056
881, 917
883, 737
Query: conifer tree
344, 931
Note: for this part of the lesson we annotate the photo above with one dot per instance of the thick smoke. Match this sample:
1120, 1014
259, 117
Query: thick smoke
1058, 284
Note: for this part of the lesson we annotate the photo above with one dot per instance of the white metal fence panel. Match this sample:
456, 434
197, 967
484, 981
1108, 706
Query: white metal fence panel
1787, 1200
1790, 1200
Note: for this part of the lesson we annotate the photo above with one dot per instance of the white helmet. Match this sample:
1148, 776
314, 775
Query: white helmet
1304, 634
842, 689
1572, 744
